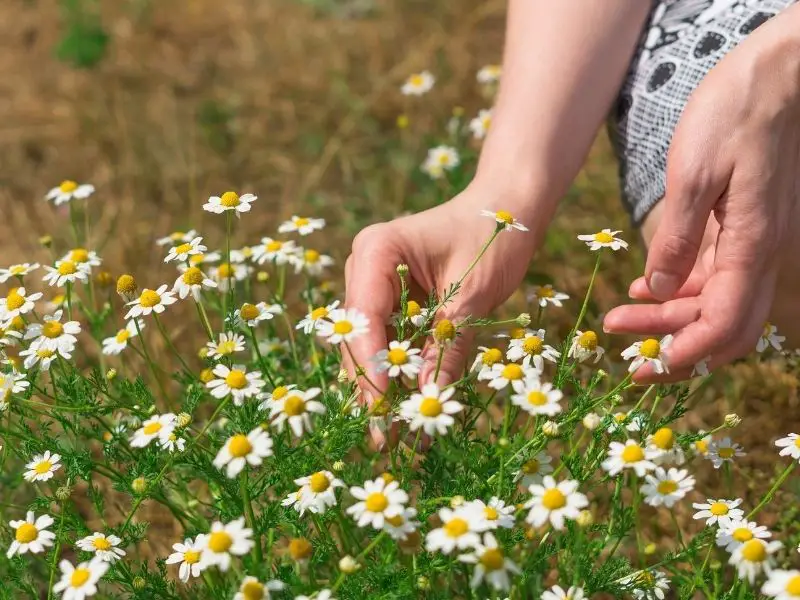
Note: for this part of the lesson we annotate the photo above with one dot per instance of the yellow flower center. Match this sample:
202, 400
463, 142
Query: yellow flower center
767, 329
226, 347
395, 521
252, 590
319, 482
342, 327
149, 299
650, 348
632, 453
490, 513
512, 372
273, 246
664, 438
397, 356
249, 312
45, 353
537, 398
229, 199
43, 467
533, 345
754, 551
416, 80
588, 341
279, 392
719, 509
793, 586
603, 237
492, 559
311, 256
196, 259
553, 499
701, 446
726, 453
376, 502
240, 446
225, 271
236, 379
122, 336
52, 329
667, 487
126, 284
79, 577
191, 557
14, 300
67, 267
797, 442
491, 356
545, 291
444, 330
193, 276
742, 534
79, 255
318, 313
18, 270
183, 249
101, 543
301, 221
531, 467
68, 186
517, 333
152, 428
294, 406
444, 159
177, 236
456, 527
504, 217
413, 309
430, 407
220, 541
300, 548
26, 533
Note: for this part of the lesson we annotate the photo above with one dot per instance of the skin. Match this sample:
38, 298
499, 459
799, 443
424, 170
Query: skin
722, 258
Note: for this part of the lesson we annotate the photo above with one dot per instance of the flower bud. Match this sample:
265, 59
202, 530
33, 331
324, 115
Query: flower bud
387, 477
104, 279
184, 419
126, 287
444, 332
338, 466
300, 549
585, 518
139, 583
139, 485
456, 501
591, 421
523, 320
732, 420
550, 428
206, 375
503, 442
262, 277
423, 583
402, 121
342, 376
380, 407
46, 241
650, 549
63, 493
348, 565
616, 400
601, 374
402, 270
111, 374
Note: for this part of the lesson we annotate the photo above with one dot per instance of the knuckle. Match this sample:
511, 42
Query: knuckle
678, 247
369, 237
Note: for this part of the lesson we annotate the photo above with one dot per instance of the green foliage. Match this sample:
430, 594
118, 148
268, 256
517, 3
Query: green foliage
84, 41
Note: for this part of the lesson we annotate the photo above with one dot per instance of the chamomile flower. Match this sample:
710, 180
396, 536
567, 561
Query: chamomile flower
491, 74
173, 443
157, 427
118, 342
737, 533
504, 220
31, 535
648, 351
669, 451
399, 359
558, 593
344, 325
52, 334
790, 446
275, 251
42, 467
64, 272
769, 337
754, 557
83, 258
69, 190
228, 344
495, 514
252, 589
315, 317
554, 502
188, 555
417, 315
418, 84
12, 383
236, 382
301, 225
177, 238
479, 126
225, 541
491, 564
538, 398
18, 271
195, 260
439, 160
502, 375
240, 450
227, 274
630, 455
460, 529
44, 357
192, 281
545, 294
150, 301
279, 393
534, 469
377, 501
253, 314
782, 585
105, 547
317, 492
531, 349
604, 239
230, 201
9, 337
584, 346
724, 450
401, 525
17, 302
183, 251
432, 409
485, 360
647, 585
718, 512
666, 487
79, 582
627, 421
296, 409
311, 261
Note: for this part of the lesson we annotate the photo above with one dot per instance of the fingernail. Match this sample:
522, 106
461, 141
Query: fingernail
663, 285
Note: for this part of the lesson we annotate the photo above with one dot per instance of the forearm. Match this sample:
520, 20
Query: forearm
563, 65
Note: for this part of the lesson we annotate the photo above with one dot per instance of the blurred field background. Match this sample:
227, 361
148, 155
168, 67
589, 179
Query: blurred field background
160, 103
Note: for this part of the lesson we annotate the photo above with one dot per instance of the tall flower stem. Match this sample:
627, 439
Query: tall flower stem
771, 493
251, 518
56, 553
201, 311
260, 358
581, 315
170, 345
151, 364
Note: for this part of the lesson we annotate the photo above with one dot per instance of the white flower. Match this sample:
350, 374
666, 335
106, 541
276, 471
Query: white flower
722, 451
485, 360
177, 237
150, 301
534, 469
227, 274
173, 443
503, 375
192, 281
53, 335
604, 239
769, 337
188, 554
554, 502
790, 446
19, 271
495, 514
64, 272
668, 450
491, 74
315, 317
377, 501
117, 343
302, 225
345, 325
418, 84
42, 467
43, 356
736, 533
584, 346
439, 160
460, 529
545, 294
236, 382
226, 540
538, 398
252, 589
782, 585
158, 427
240, 450
627, 421
416, 314
432, 409
667, 487
253, 314
279, 393
275, 251
531, 348
504, 219
401, 525
296, 408
77, 583
83, 258
647, 585
700, 368
754, 557
629, 455
320, 595
31, 535
183, 251
69, 190
311, 261
479, 126
104, 546
241, 255
17, 302
228, 344
229, 201
591, 421
12, 383
720, 512
317, 492
649, 350
557, 593
491, 564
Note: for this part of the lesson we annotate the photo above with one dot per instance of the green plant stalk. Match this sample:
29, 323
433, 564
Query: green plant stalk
771, 493
251, 518
170, 345
201, 311
56, 552
151, 364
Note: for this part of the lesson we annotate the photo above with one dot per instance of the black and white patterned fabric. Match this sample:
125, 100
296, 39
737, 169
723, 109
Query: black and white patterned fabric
683, 40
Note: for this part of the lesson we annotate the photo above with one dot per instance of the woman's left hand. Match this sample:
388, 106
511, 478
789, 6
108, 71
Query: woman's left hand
733, 171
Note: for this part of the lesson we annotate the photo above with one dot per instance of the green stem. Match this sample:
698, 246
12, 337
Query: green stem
771, 493
170, 345
251, 518
151, 364
56, 552
201, 311
260, 358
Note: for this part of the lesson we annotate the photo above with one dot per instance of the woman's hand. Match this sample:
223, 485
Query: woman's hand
733, 176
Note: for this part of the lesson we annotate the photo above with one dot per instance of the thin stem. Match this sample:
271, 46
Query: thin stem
201, 311
438, 363
170, 345
151, 364
771, 493
251, 518
56, 552
264, 370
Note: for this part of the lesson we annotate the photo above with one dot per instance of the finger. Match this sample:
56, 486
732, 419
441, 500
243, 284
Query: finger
652, 319
454, 357
639, 290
